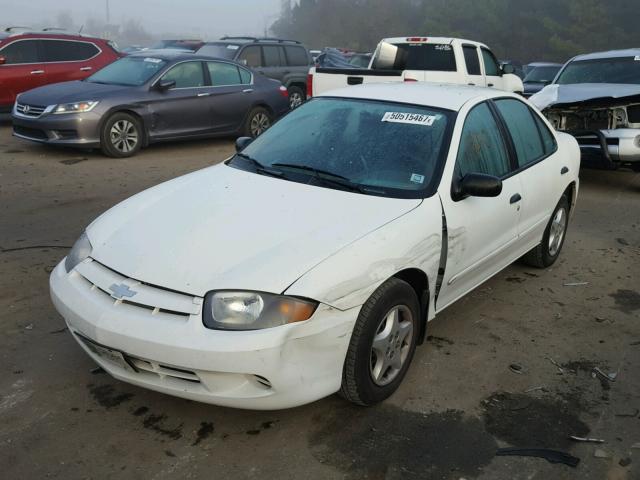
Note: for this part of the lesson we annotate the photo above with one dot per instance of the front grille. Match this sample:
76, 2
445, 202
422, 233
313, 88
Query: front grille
141, 297
34, 111
30, 132
162, 371
633, 113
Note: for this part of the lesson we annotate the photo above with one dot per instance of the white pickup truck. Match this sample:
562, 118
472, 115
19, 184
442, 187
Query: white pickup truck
422, 59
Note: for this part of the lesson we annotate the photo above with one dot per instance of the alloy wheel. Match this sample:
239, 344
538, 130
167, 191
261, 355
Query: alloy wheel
295, 100
556, 231
391, 345
124, 136
259, 123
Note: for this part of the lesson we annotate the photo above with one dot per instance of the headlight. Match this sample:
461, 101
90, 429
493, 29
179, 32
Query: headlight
80, 251
76, 107
232, 310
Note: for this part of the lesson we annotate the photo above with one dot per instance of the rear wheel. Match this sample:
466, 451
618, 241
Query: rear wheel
382, 344
121, 136
258, 120
545, 254
296, 97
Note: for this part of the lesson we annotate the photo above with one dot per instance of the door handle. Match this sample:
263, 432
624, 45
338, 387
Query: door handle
247, 90
515, 199
204, 94
489, 84
471, 84
86, 69
37, 72
564, 170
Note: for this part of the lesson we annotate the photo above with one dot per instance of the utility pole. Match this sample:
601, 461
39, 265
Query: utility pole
108, 16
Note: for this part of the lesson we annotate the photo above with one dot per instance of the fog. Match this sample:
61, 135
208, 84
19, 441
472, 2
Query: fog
207, 19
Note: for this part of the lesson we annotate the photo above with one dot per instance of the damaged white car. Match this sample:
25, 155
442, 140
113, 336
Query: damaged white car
596, 98
310, 262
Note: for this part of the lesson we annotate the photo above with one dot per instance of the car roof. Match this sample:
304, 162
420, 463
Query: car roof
171, 55
629, 52
445, 96
449, 40
54, 35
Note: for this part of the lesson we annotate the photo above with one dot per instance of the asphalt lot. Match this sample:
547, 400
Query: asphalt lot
459, 402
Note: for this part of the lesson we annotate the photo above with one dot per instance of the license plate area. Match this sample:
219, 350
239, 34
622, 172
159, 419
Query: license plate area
111, 355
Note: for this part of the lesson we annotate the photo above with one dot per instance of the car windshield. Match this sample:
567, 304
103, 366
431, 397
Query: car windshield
605, 70
129, 71
219, 50
381, 148
542, 74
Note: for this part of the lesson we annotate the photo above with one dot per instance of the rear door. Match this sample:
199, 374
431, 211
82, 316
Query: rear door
232, 96
21, 71
251, 56
474, 74
298, 63
539, 166
492, 70
66, 60
275, 62
482, 232
183, 110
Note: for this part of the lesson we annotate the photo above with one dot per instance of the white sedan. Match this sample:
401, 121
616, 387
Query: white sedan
310, 262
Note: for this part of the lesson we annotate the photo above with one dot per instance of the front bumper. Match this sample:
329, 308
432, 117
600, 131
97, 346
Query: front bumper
81, 129
267, 369
621, 145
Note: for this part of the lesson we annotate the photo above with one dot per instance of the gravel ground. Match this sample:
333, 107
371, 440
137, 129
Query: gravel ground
460, 400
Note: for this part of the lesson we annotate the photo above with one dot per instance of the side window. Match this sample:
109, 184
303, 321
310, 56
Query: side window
471, 59
223, 74
491, 67
24, 51
245, 76
252, 56
186, 75
67, 51
273, 56
548, 140
482, 148
523, 129
297, 56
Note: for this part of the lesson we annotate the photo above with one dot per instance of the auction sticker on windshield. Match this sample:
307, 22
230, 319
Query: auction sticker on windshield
152, 60
410, 118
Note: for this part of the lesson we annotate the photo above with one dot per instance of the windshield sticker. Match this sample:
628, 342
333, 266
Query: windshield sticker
444, 47
415, 178
410, 118
233, 47
637, 58
152, 60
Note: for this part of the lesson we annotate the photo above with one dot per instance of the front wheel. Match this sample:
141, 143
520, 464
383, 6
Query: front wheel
545, 254
121, 136
382, 344
257, 122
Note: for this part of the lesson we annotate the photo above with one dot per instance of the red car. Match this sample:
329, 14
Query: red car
32, 59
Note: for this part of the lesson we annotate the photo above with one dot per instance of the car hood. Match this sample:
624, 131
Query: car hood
532, 87
68, 92
582, 92
223, 228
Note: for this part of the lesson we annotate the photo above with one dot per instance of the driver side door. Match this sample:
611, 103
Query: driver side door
482, 233
182, 110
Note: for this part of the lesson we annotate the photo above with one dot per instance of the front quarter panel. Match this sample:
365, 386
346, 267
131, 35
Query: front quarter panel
349, 277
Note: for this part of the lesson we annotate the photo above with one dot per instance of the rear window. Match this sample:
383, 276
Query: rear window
471, 59
22, 51
437, 57
68, 51
220, 50
297, 56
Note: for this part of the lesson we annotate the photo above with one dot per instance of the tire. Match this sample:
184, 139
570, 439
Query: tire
545, 254
121, 136
369, 377
296, 97
258, 120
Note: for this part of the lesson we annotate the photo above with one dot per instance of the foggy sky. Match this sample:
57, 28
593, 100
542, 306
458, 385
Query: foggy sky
204, 18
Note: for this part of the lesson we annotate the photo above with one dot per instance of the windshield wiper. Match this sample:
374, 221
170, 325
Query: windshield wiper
260, 168
326, 177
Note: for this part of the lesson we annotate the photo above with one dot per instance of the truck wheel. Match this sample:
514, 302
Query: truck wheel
296, 97
121, 136
382, 344
258, 120
545, 254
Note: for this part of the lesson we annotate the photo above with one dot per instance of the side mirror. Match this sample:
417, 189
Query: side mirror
508, 68
3, 60
476, 185
164, 85
242, 143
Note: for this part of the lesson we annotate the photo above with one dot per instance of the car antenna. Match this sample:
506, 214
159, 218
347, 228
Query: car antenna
81, 27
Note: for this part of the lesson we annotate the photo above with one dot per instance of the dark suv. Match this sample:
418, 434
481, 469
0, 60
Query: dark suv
30, 59
285, 60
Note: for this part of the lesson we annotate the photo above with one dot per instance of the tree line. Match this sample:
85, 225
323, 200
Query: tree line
526, 30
